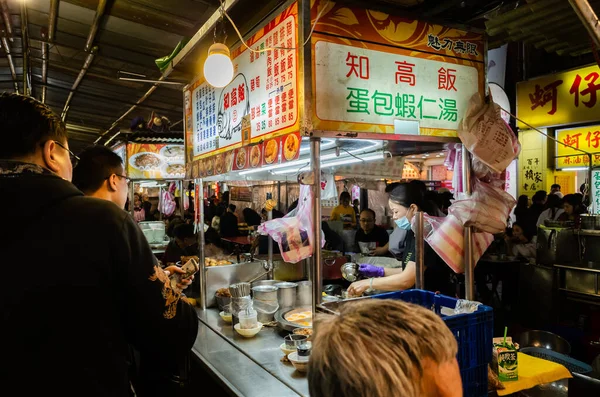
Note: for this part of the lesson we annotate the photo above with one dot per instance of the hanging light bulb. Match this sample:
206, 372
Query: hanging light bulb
218, 68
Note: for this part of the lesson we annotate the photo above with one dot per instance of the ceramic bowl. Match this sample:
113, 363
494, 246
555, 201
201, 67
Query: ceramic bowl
248, 333
300, 365
226, 317
285, 350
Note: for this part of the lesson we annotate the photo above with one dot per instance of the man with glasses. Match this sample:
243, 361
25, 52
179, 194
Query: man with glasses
100, 173
84, 283
369, 232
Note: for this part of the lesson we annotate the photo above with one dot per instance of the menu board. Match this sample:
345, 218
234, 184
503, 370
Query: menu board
264, 91
155, 161
371, 69
595, 192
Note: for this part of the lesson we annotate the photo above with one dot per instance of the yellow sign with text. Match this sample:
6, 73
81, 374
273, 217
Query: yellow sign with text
584, 138
562, 98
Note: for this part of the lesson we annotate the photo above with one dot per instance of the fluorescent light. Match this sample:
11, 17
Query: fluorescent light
573, 169
303, 161
344, 161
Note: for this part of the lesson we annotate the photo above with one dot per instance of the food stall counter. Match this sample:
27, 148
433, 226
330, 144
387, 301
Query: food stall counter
247, 367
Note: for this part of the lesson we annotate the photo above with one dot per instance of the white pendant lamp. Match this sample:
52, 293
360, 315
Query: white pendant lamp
218, 68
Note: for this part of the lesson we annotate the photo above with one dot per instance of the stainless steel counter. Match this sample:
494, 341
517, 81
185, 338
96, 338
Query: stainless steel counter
248, 367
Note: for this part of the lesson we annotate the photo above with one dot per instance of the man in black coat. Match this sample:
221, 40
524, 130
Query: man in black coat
84, 283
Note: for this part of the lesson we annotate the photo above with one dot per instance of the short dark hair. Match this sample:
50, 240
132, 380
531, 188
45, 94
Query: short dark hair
555, 185
96, 164
184, 230
540, 195
345, 196
231, 207
25, 124
370, 211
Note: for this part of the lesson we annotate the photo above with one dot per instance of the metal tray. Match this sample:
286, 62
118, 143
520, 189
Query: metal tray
283, 323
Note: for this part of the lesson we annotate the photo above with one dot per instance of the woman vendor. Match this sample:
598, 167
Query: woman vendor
406, 199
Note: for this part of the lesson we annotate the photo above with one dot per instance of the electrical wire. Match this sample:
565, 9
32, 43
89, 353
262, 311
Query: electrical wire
275, 48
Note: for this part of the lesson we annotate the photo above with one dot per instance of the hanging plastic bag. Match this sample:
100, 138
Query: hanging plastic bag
488, 208
167, 204
446, 237
487, 136
328, 188
294, 233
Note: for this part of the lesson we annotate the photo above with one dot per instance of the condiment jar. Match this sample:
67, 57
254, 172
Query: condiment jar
248, 319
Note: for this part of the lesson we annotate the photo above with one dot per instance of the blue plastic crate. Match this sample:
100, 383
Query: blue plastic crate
473, 332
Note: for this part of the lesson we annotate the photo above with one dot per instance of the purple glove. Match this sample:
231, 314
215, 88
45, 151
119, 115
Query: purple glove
370, 270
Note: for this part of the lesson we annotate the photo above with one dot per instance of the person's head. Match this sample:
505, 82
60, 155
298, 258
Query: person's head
100, 173
184, 235
367, 220
231, 208
345, 199
519, 230
405, 199
355, 203
523, 201
32, 133
553, 201
554, 188
251, 217
573, 204
145, 197
540, 197
397, 349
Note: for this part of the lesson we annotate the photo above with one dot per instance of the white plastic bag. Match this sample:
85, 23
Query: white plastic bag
487, 136
328, 188
167, 204
294, 233
488, 208
446, 237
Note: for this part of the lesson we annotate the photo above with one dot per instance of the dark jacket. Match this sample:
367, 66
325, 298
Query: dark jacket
81, 285
229, 225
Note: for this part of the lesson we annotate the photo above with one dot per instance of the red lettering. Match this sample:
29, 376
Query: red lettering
446, 79
226, 101
405, 73
591, 89
359, 66
572, 140
541, 96
593, 139
242, 92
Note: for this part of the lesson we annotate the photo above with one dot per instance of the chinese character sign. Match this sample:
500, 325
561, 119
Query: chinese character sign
586, 139
596, 192
562, 98
367, 86
264, 90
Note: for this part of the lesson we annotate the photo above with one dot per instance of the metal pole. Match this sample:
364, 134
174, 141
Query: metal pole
160, 214
419, 252
316, 276
181, 194
131, 201
468, 235
588, 17
199, 206
590, 176
270, 248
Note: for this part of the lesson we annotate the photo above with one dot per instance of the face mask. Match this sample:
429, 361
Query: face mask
403, 223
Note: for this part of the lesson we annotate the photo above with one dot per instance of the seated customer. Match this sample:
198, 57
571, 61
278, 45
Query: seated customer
185, 243
369, 232
398, 349
344, 212
100, 173
229, 223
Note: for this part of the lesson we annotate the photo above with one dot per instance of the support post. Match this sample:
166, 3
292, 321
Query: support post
316, 276
419, 252
199, 206
468, 235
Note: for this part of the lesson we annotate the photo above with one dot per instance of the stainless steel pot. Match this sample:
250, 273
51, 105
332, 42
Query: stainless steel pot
265, 302
286, 294
266, 282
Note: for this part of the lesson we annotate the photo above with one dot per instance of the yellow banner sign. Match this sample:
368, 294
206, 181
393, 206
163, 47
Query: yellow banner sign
563, 98
586, 139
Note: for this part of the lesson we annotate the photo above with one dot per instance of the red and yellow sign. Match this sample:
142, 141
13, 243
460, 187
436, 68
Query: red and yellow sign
586, 139
266, 153
559, 99
370, 69
261, 101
